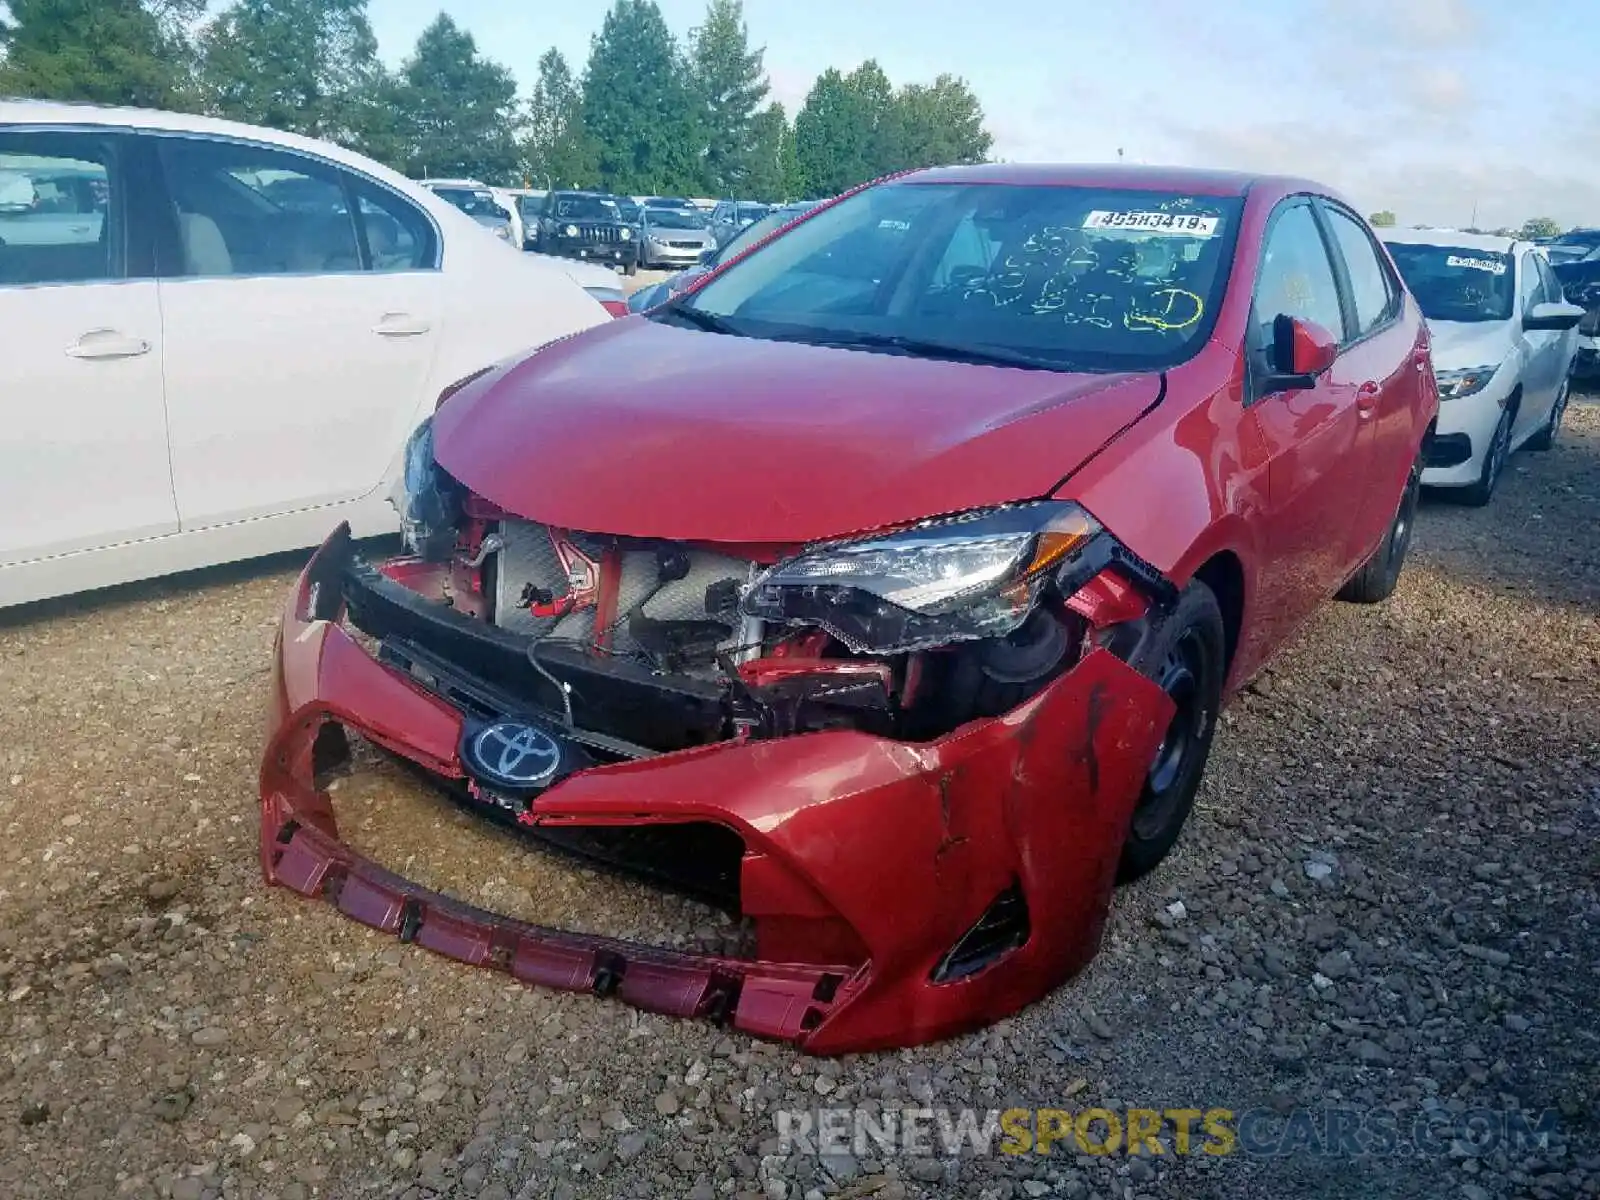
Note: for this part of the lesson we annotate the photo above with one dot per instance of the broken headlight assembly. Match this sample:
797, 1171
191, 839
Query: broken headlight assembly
428, 500
951, 579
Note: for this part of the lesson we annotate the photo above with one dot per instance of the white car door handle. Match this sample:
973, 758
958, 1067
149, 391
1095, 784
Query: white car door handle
398, 324
107, 343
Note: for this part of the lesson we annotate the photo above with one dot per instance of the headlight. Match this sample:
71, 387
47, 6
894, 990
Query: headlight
570, 231
1464, 381
427, 499
975, 575
626, 233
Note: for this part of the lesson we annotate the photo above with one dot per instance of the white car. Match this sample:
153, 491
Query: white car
482, 203
1503, 343
232, 363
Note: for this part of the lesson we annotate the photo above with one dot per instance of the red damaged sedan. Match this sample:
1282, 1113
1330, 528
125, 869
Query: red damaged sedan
883, 589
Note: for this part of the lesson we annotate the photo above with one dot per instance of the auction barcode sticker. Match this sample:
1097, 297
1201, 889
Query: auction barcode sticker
1476, 264
1173, 224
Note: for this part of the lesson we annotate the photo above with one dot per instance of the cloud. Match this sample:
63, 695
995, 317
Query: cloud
1440, 91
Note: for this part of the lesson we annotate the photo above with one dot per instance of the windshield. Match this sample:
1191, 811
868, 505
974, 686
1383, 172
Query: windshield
629, 210
584, 208
1067, 277
529, 206
475, 202
1452, 283
750, 212
751, 234
670, 218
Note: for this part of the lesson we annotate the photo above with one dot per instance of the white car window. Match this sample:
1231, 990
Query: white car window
248, 210
399, 235
53, 208
1530, 287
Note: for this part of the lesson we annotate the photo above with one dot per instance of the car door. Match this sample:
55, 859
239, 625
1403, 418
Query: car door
1566, 341
1541, 349
1313, 436
298, 338
83, 435
1381, 356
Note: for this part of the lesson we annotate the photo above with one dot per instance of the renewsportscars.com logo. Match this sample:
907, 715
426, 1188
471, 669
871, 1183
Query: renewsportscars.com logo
1317, 1131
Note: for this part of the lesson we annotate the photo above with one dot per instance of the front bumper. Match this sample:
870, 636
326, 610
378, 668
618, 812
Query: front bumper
621, 253
865, 860
1462, 435
678, 256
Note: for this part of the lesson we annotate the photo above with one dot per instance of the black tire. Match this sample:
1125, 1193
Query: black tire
1546, 437
1187, 657
632, 268
1378, 576
1494, 462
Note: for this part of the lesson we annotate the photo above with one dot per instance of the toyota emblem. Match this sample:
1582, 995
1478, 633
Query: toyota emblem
514, 754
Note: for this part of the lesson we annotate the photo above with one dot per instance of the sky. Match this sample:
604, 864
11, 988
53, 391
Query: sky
1444, 111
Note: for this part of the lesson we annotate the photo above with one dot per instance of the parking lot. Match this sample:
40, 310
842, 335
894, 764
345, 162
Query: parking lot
1388, 897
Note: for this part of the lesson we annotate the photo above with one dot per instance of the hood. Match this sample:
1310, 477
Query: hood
647, 430
1458, 344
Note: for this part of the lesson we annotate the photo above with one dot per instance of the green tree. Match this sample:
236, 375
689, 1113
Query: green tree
455, 110
881, 128
792, 178
100, 51
1539, 227
1382, 219
762, 177
939, 125
830, 137
557, 149
639, 106
310, 66
731, 84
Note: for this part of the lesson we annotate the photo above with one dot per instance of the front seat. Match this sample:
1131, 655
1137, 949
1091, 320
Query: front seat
205, 251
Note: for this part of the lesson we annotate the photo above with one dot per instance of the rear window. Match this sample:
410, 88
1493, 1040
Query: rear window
1454, 283
1074, 278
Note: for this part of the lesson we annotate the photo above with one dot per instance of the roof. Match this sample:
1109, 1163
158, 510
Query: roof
63, 112
1458, 238
1134, 177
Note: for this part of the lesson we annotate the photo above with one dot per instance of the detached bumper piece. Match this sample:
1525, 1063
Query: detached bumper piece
900, 892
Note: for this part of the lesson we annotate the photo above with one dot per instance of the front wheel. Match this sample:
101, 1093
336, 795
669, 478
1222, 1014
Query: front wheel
632, 268
1378, 576
1186, 658
1494, 462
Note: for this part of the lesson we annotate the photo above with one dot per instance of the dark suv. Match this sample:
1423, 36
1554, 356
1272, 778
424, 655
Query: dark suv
588, 225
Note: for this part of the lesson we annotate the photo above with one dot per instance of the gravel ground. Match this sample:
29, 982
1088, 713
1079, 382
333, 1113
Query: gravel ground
1388, 896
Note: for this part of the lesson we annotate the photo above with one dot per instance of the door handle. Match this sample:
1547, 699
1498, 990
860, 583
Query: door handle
399, 324
107, 343
1367, 398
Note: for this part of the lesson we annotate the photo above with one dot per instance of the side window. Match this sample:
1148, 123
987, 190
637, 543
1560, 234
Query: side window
1370, 288
250, 210
1530, 288
399, 236
1552, 283
60, 204
1296, 277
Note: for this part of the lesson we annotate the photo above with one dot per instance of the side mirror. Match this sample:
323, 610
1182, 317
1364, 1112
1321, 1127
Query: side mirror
1301, 350
1552, 315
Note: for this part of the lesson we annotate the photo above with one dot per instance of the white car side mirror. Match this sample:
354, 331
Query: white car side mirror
1552, 315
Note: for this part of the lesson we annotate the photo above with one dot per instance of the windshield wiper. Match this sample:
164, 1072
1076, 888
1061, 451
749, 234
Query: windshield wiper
699, 318
993, 356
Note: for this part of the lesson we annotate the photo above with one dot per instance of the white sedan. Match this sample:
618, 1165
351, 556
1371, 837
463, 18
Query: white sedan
1503, 343
216, 339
